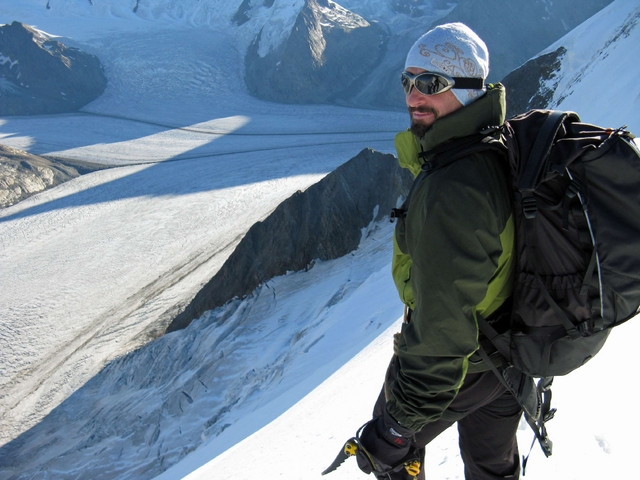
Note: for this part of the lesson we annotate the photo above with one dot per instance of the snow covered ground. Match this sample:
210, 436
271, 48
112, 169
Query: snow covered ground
268, 387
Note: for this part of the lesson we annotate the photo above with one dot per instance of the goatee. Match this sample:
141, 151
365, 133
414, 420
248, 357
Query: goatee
419, 129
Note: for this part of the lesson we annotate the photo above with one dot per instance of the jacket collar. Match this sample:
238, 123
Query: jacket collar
489, 110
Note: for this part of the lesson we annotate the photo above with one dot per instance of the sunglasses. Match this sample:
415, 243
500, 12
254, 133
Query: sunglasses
429, 83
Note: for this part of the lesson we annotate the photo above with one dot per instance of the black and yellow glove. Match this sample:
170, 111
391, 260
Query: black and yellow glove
386, 447
382, 447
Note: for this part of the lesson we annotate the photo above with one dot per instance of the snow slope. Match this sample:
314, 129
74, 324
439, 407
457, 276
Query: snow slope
268, 387
598, 77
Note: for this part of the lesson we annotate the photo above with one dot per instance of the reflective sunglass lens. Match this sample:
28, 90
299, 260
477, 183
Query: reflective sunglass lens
406, 84
429, 84
425, 83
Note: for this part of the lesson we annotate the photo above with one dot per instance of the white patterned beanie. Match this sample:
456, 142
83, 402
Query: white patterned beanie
455, 50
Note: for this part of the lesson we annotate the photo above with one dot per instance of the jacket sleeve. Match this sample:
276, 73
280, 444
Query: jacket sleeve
453, 236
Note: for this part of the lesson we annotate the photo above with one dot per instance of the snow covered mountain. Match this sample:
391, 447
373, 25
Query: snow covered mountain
560, 76
270, 385
317, 51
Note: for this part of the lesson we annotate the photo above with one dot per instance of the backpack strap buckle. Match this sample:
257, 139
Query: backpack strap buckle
397, 213
529, 208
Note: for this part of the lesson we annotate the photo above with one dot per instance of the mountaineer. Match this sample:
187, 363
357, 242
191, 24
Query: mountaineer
452, 261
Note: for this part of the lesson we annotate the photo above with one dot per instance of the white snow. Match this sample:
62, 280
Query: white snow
271, 386
8, 60
599, 70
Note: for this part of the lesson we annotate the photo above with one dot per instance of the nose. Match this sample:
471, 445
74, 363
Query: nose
414, 97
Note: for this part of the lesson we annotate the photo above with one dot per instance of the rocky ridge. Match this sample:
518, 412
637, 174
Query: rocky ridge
324, 222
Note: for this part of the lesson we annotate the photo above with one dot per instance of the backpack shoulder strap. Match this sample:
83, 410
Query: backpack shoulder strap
542, 147
446, 154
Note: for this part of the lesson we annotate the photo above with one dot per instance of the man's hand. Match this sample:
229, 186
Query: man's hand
387, 444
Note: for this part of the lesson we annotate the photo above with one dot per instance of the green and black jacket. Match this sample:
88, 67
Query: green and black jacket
452, 261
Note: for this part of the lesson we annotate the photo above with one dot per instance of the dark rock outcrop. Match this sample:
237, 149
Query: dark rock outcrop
323, 222
531, 85
41, 76
328, 50
242, 14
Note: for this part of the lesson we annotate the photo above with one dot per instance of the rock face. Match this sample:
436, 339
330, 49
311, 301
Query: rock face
328, 50
41, 76
23, 175
531, 85
323, 222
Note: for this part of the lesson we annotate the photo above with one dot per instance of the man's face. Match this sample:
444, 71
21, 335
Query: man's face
426, 109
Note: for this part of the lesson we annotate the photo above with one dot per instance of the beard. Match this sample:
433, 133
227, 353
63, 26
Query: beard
417, 128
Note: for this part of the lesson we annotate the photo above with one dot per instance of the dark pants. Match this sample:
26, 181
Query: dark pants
488, 417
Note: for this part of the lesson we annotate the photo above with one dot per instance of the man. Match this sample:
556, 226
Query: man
452, 262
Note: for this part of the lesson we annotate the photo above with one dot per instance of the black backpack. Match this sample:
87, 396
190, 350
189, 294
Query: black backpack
576, 205
576, 201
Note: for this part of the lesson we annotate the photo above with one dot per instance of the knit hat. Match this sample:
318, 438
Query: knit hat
453, 49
